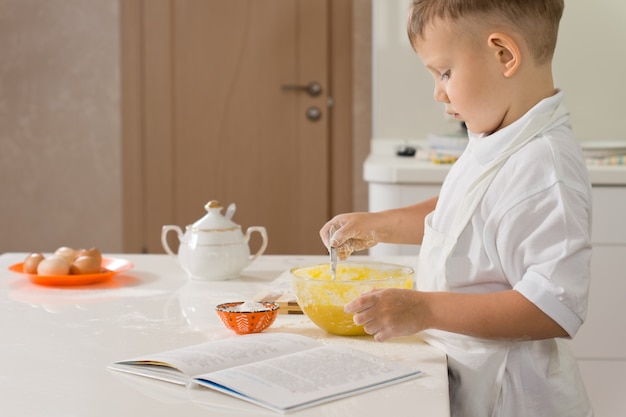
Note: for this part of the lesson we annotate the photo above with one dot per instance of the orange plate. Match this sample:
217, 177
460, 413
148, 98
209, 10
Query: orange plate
110, 267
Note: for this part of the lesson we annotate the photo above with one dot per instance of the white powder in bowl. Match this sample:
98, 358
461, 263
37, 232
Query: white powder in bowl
251, 306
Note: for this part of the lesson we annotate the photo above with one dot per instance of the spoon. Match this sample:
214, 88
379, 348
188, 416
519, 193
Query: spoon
333, 255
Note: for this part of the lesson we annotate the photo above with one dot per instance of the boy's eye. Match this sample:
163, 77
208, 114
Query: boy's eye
445, 75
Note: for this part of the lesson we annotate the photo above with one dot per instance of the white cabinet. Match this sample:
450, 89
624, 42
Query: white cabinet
603, 336
600, 345
383, 196
609, 214
606, 386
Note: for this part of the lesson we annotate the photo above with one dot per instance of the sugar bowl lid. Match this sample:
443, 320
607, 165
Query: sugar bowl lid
213, 220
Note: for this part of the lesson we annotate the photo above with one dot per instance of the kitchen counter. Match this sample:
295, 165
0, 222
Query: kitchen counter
389, 168
57, 343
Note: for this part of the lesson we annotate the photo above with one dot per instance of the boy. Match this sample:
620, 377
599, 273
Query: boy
503, 272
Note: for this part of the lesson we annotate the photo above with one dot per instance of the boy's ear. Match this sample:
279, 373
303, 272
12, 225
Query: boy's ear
507, 53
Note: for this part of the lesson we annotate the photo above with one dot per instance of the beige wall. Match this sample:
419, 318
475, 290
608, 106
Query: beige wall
60, 165
60, 127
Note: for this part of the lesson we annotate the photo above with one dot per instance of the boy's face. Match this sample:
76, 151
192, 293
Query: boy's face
468, 79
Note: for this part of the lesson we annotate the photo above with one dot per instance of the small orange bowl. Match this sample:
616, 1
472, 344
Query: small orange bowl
244, 322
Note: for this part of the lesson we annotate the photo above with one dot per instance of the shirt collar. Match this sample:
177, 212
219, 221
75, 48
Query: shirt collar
485, 147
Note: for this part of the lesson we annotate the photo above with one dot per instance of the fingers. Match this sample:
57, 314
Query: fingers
325, 232
386, 313
353, 232
361, 304
374, 327
364, 314
344, 251
338, 239
382, 335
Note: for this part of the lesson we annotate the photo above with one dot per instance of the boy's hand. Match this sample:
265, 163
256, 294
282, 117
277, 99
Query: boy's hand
354, 232
390, 312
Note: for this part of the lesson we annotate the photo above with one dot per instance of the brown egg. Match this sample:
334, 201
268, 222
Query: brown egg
31, 262
68, 253
92, 252
53, 265
85, 265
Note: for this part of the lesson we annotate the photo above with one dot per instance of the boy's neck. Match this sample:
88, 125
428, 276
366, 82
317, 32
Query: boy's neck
535, 84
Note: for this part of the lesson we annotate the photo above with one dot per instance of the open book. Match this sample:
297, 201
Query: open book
280, 371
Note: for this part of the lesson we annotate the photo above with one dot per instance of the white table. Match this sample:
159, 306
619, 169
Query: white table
56, 344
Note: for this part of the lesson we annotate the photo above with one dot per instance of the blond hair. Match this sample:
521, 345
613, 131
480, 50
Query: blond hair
536, 20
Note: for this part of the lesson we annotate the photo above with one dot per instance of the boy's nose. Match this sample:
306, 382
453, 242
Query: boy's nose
440, 94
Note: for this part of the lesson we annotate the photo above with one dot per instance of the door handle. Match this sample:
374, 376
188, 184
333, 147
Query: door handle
313, 113
313, 89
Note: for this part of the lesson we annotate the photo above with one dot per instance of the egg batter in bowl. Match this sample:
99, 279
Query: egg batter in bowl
322, 299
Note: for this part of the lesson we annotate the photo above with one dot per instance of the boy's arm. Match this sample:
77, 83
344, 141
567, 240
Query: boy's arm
359, 231
504, 315
408, 222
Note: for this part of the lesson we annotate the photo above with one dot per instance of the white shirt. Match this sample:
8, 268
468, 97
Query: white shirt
532, 230
529, 232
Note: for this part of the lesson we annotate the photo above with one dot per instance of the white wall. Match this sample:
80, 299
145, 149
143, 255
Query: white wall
589, 66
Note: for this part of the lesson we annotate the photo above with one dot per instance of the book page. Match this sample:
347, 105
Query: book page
306, 378
216, 355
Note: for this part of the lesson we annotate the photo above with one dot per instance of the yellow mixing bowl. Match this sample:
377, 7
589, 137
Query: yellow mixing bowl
322, 299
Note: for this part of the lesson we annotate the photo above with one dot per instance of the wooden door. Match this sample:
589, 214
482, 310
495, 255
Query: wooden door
210, 118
